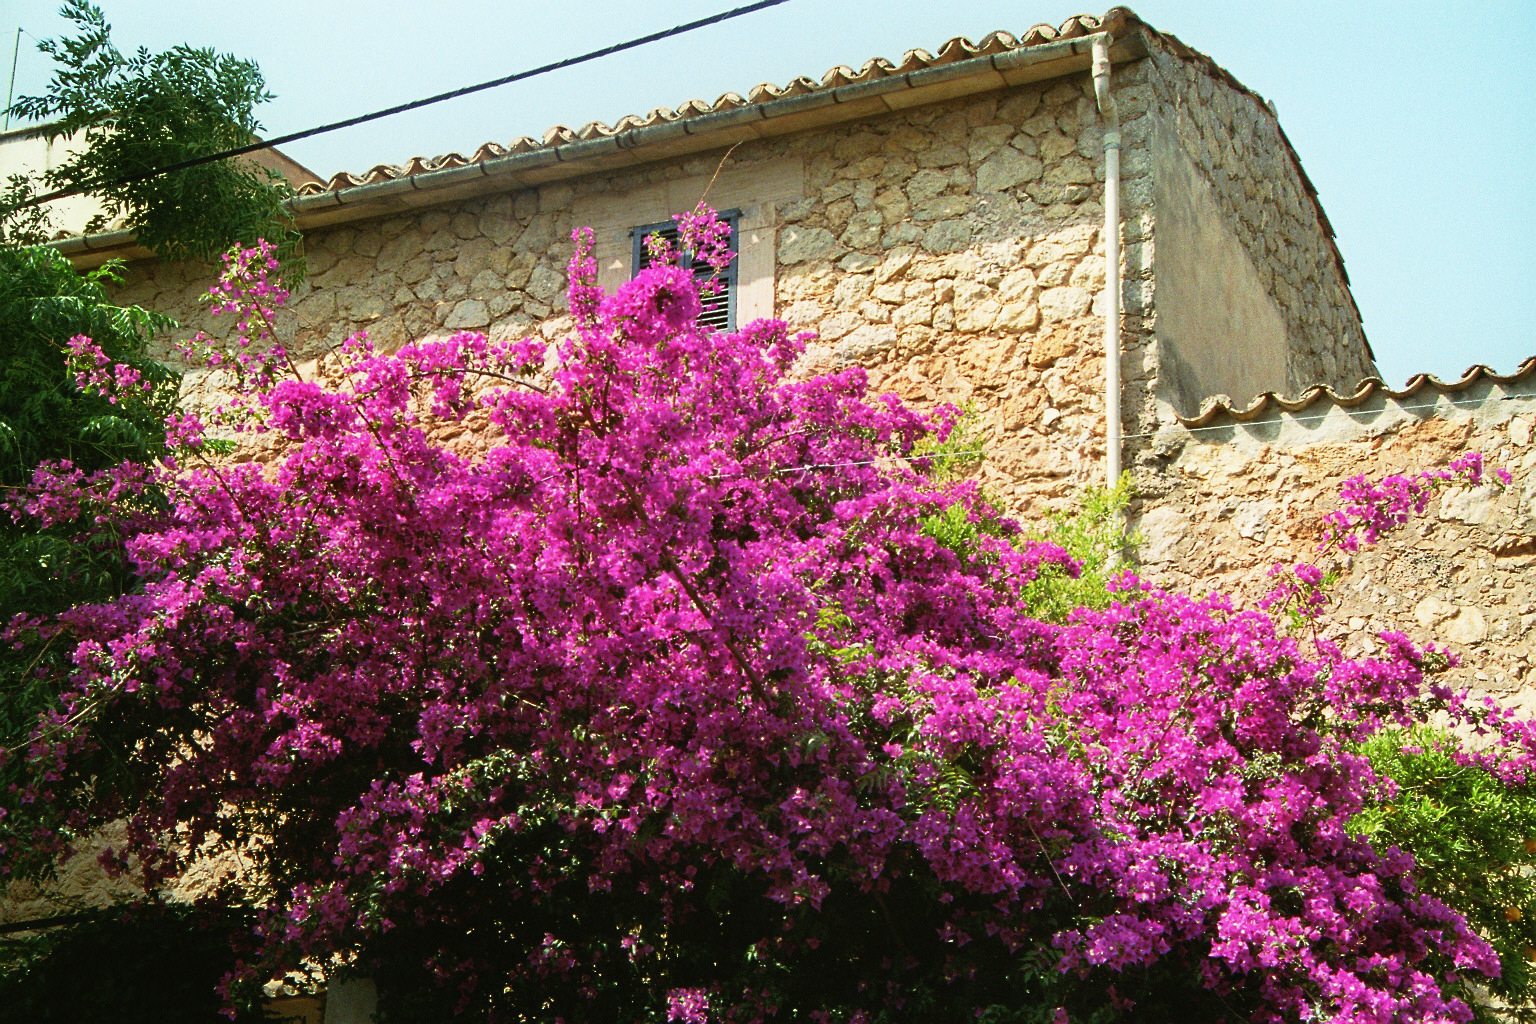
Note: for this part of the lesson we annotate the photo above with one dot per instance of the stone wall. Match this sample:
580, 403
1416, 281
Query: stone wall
1220, 506
952, 249
1232, 145
956, 253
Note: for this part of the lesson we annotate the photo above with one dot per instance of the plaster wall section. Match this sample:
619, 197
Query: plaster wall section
1245, 185
26, 151
953, 250
1219, 332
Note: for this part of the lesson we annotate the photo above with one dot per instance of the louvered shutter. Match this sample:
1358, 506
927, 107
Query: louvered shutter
719, 308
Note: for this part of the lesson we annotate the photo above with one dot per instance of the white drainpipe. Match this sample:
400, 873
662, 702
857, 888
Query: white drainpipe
1111, 119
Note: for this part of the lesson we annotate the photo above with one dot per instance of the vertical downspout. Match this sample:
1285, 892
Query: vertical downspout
1111, 118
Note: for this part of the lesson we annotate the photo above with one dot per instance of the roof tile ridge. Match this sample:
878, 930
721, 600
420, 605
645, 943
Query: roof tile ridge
1217, 405
953, 50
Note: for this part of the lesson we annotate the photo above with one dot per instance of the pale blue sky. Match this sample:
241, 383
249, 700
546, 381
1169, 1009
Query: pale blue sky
1416, 124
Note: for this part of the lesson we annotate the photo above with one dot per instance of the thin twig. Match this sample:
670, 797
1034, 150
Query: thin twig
1051, 864
718, 168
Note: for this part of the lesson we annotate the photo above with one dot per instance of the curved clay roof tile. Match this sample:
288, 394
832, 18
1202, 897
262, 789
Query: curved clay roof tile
1221, 405
489, 151
957, 49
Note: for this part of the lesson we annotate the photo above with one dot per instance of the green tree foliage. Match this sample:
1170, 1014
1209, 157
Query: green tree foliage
141, 111
47, 419
45, 416
1093, 534
127, 114
1473, 837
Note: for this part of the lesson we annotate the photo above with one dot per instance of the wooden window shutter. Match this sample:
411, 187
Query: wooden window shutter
719, 308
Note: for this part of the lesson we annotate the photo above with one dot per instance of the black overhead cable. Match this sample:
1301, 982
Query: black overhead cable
713, 19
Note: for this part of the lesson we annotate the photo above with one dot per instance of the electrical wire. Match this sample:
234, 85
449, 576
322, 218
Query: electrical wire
631, 44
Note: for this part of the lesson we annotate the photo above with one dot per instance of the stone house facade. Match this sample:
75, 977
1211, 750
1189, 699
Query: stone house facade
939, 221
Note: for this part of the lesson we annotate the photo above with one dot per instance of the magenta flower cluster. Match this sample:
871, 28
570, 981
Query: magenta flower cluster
675, 638
95, 371
1371, 510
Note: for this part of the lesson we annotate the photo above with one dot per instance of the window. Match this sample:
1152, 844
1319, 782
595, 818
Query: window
719, 308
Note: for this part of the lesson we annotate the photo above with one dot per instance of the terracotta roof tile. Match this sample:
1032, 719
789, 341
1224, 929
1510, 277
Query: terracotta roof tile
957, 49
1419, 384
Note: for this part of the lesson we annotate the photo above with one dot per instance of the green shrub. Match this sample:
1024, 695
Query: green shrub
1474, 839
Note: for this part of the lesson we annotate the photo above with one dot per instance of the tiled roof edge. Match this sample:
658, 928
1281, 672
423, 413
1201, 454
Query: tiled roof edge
565, 152
1271, 403
953, 51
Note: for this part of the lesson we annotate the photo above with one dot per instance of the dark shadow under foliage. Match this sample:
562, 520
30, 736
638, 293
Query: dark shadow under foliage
146, 964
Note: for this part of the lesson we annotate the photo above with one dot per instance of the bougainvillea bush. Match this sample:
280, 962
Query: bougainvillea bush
669, 701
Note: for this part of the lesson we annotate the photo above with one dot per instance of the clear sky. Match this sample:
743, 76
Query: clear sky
1416, 120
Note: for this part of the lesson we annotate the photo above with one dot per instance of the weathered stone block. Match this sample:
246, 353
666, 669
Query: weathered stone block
1017, 317
801, 244
361, 303
986, 140
1053, 275
1049, 347
1018, 285
863, 230
866, 343
892, 204
918, 311
1019, 106
486, 282
803, 313
941, 156
941, 208
905, 233
875, 312
467, 314
925, 185
1162, 530
1064, 303
838, 325
977, 316
1055, 146
545, 283
1005, 169
894, 265
1072, 170
851, 291
947, 236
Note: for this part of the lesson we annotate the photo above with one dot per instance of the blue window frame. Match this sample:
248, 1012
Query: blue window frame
719, 308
